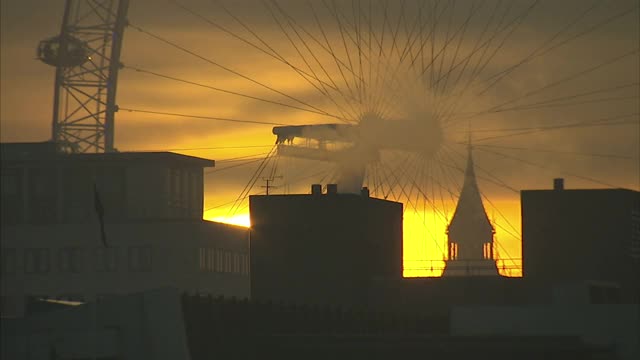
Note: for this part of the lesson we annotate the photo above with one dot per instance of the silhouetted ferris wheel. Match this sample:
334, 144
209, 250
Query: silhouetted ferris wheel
390, 94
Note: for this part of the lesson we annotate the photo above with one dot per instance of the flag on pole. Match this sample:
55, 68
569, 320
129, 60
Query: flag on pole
100, 212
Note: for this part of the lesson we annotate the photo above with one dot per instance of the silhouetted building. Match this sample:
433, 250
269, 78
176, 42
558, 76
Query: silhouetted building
323, 248
470, 233
154, 235
589, 237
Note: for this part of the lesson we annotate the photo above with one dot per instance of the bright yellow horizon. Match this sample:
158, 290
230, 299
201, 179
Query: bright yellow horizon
425, 245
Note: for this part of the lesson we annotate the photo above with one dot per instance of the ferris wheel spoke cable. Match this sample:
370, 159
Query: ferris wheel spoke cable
587, 31
272, 53
323, 90
356, 82
491, 174
457, 51
332, 53
461, 170
608, 121
201, 117
202, 148
549, 105
558, 101
247, 162
293, 25
478, 68
251, 182
539, 50
167, 77
451, 103
533, 164
183, 49
571, 77
572, 153
511, 26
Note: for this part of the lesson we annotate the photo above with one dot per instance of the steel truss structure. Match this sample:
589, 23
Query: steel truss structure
86, 55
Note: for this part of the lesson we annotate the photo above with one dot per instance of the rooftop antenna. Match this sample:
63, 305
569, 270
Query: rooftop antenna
268, 182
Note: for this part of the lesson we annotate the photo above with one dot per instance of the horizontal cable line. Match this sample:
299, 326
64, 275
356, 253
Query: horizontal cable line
233, 34
225, 204
541, 49
242, 158
202, 117
225, 91
581, 124
592, 92
251, 161
565, 79
612, 156
527, 162
202, 148
561, 104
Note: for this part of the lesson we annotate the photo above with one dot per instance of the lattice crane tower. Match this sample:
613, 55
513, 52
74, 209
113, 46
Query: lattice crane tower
86, 56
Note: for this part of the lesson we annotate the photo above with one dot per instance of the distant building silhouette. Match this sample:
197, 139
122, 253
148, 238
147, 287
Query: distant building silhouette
323, 248
154, 234
591, 237
470, 233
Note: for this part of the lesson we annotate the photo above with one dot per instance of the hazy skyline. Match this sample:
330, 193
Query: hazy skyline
579, 67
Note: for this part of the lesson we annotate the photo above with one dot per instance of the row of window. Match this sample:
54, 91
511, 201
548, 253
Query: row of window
222, 261
74, 260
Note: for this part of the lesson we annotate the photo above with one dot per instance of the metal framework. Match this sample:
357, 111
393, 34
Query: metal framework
87, 59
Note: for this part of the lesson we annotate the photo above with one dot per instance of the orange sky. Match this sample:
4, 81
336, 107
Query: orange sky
597, 156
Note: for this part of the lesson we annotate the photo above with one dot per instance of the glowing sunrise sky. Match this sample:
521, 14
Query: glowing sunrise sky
569, 64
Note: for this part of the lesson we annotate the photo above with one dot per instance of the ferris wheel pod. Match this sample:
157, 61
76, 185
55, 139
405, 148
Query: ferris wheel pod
64, 51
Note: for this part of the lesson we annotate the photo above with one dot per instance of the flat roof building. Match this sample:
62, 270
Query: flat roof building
583, 236
323, 248
81, 226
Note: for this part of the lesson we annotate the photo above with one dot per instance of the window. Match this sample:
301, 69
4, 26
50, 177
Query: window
8, 261
227, 261
106, 259
219, 260
36, 261
70, 260
487, 251
10, 182
140, 258
202, 259
453, 251
211, 255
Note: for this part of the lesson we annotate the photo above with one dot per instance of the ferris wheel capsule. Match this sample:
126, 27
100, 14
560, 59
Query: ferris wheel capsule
63, 50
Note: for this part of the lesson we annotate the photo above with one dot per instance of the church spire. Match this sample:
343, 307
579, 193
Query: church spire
470, 233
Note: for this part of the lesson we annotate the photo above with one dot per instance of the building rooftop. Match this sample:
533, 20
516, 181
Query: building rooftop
46, 151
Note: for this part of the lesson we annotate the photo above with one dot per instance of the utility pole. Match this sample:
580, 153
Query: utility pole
268, 182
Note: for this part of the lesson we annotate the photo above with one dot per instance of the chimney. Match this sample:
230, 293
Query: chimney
364, 192
558, 184
332, 189
316, 189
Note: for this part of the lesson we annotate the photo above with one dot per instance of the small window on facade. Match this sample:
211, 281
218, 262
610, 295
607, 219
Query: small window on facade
140, 258
8, 261
70, 260
202, 260
36, 261
106, 259
219, 260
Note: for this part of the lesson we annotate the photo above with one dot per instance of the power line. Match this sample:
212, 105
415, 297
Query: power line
203, 117
204, 148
